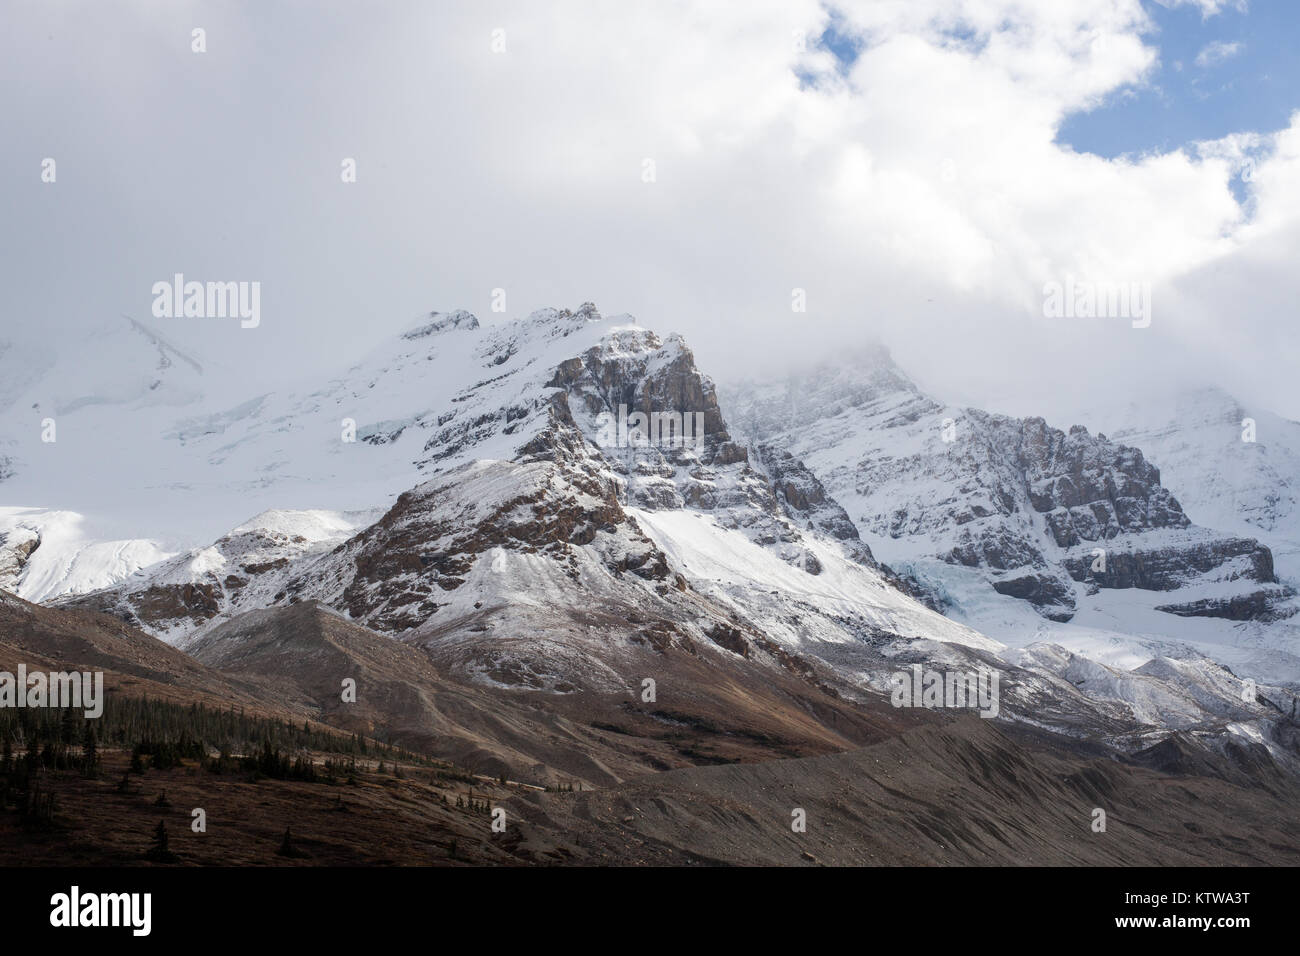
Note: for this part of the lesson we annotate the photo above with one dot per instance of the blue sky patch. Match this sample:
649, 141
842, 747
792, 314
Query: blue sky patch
1230, 73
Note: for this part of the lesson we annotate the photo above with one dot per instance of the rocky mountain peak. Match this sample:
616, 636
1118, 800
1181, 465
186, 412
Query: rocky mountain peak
1030, 506
440, 322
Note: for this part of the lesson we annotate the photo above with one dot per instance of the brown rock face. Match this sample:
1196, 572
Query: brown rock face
395, 574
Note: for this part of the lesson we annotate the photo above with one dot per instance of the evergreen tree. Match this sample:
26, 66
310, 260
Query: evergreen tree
89, 751
68, 727
159, 852
37, 809
287, 848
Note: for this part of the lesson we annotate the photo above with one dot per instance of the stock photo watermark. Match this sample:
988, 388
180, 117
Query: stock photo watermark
208, 300
667, 429
1080, 299
954, 690
77, 690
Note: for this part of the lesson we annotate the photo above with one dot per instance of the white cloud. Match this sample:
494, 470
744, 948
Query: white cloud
920, 196
1212, 54
1208, 8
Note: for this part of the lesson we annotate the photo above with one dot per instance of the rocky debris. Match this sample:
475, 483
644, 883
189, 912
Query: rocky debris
960, 793
724, 635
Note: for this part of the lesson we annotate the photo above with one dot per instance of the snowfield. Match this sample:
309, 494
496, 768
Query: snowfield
838, 604
66, 557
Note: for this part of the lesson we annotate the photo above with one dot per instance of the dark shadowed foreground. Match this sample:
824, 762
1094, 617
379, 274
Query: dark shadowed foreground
250, 731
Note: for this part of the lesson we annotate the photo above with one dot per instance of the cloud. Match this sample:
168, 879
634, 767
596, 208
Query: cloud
1212, 54
1208, 8
917, 193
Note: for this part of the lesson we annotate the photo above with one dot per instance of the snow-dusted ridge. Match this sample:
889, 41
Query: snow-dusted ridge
487, 513
1002, 521
240, 571
49, 554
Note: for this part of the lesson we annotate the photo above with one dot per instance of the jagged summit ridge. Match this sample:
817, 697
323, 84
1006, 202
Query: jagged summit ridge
441, 322
1031, 533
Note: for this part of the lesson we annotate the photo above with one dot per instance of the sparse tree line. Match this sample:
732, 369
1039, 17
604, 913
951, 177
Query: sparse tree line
32, 742
36, 744
128, 721
161, 735
471, 804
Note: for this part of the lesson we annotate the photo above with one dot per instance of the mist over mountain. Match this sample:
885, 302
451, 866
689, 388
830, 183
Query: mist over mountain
809, 514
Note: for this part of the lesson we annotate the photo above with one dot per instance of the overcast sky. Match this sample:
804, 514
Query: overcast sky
921, 168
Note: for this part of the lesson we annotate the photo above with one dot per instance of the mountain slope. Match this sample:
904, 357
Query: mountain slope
133, 663
556, 548
47, 554
959, 793
240, 571
968, 506
1198, 437
707, 708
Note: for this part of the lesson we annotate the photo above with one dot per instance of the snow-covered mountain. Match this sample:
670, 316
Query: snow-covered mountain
532, 508
991, 515
82, 461
1233, 466
99, 394
47, 554
242, 570
561, 505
